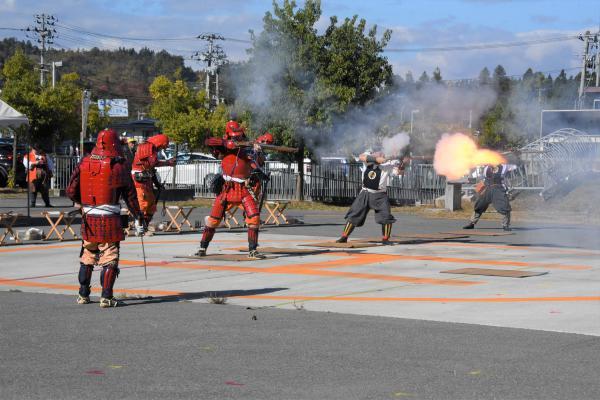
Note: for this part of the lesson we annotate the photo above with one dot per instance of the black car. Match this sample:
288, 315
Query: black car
6, 163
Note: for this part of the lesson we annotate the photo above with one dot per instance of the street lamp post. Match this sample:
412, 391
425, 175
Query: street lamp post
54, 65
412, 115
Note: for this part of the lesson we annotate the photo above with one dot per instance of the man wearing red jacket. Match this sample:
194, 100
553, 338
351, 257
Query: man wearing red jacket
97, 184
237, 163
143, 172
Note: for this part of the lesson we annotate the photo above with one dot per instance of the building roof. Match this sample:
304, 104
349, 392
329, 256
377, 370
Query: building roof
137, 123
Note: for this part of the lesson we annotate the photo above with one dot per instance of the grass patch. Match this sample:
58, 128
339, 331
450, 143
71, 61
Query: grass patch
10, 193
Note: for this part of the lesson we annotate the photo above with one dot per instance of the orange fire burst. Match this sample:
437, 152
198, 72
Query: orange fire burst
456, 154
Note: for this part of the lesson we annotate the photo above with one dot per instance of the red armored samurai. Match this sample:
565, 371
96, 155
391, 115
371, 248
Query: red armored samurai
143, 172
238, 164
97, 184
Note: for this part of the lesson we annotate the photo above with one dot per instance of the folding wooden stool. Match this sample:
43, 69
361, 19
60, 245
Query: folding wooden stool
230, 220
55, 218
179, 218
276, 211
7, 221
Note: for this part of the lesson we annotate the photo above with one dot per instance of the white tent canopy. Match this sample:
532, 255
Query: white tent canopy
9, 117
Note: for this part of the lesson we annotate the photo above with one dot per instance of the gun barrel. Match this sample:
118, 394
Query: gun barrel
421, 158
272, 147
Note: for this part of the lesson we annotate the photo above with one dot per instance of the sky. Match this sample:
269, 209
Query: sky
421, 29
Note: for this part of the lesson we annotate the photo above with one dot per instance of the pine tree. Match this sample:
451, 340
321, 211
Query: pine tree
484, 77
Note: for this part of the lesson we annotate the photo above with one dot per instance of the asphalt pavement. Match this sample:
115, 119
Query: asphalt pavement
53, 348
380, 322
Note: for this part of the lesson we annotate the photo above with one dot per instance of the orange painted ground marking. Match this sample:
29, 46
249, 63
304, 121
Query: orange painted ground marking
312, 269
428, 299
17, 249
492, 263
509, 247
371, 258
39, 247
15, 282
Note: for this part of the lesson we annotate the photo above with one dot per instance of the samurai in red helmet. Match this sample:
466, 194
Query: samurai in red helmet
234, 131
143, 171
97, 184
238, 164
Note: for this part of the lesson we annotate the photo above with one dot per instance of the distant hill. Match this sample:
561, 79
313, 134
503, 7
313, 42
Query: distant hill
122, 73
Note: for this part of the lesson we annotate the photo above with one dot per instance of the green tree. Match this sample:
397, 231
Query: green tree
484, 77
53, 112
437, 75
182, 114
423, 80
310, 78
97, 120
353, 67
501, 81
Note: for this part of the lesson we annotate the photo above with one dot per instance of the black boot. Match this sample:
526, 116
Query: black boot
469, 226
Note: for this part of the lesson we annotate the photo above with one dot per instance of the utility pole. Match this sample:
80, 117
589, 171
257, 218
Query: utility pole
85, 107
590, 61
597, 59
213, 56
44, 33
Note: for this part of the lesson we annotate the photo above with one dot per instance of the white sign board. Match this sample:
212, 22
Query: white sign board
116, 107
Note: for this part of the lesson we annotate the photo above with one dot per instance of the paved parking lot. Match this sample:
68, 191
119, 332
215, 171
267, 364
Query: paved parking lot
373, 322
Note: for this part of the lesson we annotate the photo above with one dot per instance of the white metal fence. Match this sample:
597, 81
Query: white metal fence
326, 182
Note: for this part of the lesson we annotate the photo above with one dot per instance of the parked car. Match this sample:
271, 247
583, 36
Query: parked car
192, 169
188, 158
6, 163
68, 147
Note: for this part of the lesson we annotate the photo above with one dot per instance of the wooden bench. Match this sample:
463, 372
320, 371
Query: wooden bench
55, 218
7, 220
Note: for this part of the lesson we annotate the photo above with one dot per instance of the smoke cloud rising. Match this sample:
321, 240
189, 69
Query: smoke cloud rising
393, 146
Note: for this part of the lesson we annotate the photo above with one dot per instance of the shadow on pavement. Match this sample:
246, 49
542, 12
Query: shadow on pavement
198, 295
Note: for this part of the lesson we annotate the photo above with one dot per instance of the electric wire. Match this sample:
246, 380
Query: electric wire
482, 46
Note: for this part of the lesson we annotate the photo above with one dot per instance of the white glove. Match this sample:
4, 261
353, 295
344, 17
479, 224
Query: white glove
139, 228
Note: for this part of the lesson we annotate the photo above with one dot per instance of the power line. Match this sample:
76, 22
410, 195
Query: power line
484, 46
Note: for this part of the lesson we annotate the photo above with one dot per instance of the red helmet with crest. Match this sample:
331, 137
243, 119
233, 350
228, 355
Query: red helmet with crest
266, 138
108, 144
233, 130
160, 141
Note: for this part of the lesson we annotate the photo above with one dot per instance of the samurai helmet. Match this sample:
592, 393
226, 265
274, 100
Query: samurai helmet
160, 141
233, 130
108, 144
266, 138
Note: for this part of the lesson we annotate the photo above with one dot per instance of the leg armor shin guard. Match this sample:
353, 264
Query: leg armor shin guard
107, 279
85, 279
207, 236
252, 238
